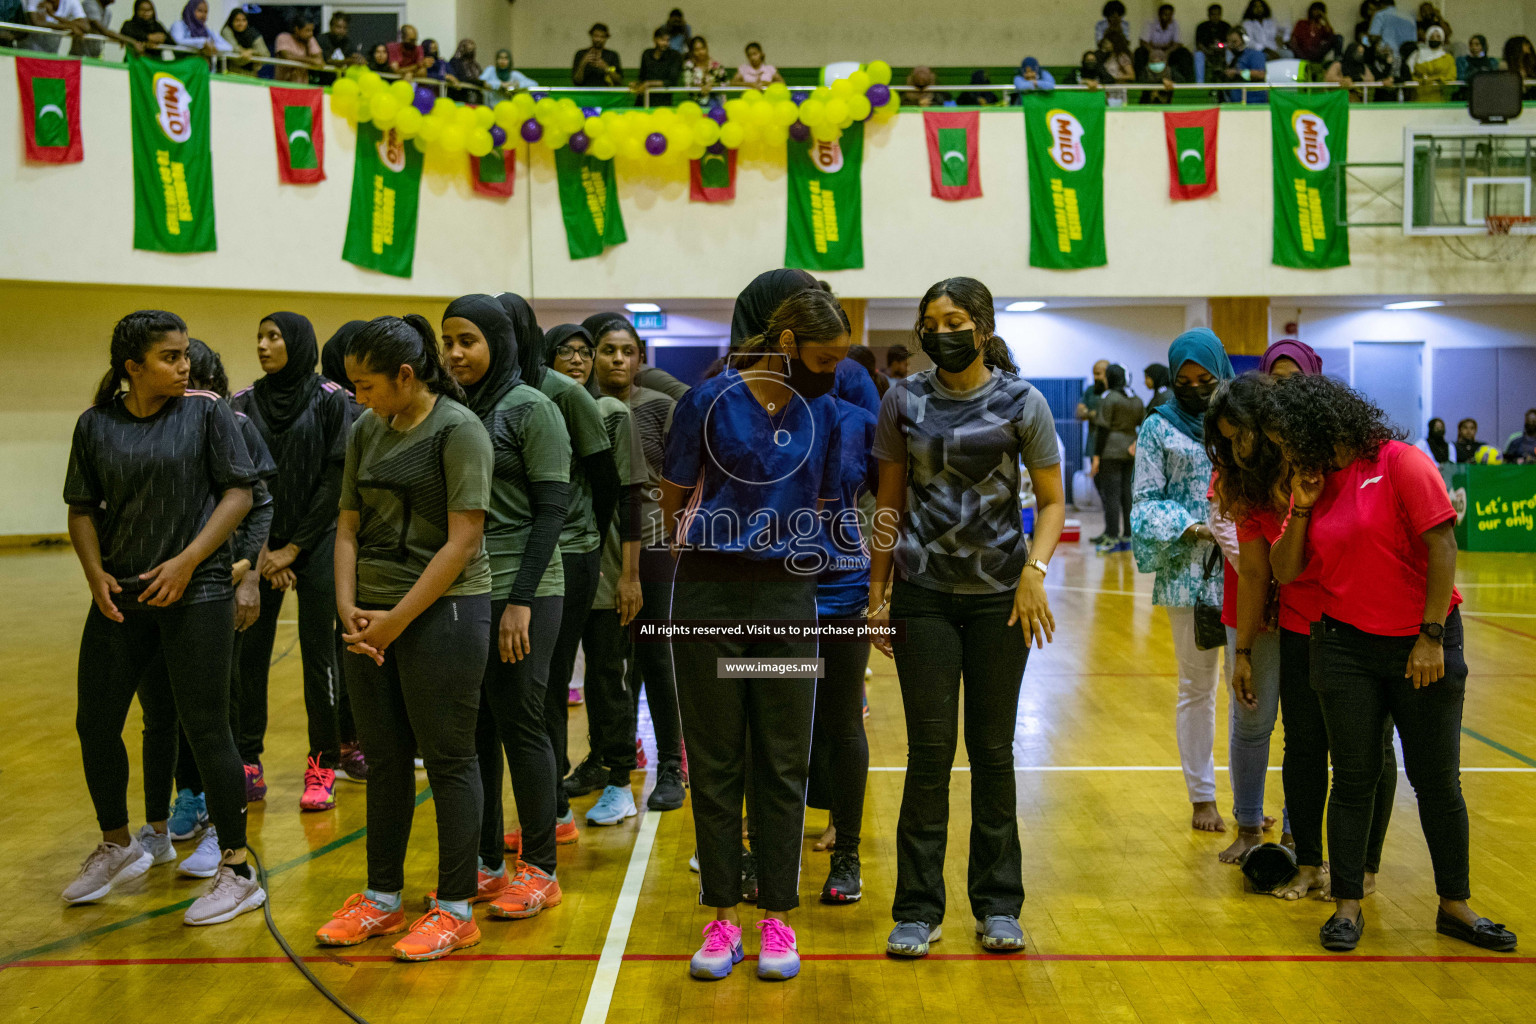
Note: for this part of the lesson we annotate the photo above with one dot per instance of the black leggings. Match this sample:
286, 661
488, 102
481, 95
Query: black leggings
177, 660
581, 571
315, 573
1304, 770
950, 637
160, 751
610, 701
651, 664
1114, 482
839, 748
1359, 680
512, 717
426, 695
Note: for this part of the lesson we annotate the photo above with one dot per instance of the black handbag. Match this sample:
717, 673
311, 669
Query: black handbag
1209, 631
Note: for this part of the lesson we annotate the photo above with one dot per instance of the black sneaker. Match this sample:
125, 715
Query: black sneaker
843, 882
748, 876
668, 792
587, 777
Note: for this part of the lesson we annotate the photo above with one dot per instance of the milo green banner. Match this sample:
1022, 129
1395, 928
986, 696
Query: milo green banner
172, 162
386, 188
1064, 138
589, 203
826, 203
1310, 144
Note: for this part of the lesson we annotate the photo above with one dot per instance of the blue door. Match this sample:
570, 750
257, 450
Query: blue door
1391, 374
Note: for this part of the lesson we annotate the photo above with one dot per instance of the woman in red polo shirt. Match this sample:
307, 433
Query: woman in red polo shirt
1373, 515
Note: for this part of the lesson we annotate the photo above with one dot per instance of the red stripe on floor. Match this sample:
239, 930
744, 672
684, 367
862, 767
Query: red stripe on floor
1496, 625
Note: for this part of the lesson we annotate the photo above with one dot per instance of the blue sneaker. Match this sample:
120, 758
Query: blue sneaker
721, 951
189, 815
616, 804
1124, 545
779, 959
911, 938
1001, 933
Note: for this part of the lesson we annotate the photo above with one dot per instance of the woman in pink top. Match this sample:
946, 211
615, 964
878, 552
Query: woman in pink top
756, 72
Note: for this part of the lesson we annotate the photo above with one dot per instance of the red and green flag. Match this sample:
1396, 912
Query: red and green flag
172, 156
712, 177
954, 154
494, 173
1191, 152
589, 203
1309, 144
300, 133
386, 190
50, 109
826, 203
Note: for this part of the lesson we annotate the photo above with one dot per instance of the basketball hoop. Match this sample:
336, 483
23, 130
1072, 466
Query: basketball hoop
1507, 225
1508, 237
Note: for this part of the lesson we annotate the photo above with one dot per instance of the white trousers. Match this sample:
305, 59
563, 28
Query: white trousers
1195, 716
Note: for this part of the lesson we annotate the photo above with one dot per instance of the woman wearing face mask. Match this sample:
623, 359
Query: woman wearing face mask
1432, 65
1169, 536
1373, 514
971, 591
1119, 415
1350, 68
753, 453
1434, 443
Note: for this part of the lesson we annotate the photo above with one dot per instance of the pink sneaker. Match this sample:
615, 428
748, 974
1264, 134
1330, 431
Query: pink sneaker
255, 783
780, 957
319, 788
721, 951
640, 759
573, 696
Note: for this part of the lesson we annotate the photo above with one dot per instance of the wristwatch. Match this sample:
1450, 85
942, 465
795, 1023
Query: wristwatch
1434, 630
1035, 563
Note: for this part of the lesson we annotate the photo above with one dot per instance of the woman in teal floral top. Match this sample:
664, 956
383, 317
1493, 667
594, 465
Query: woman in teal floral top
1169, 536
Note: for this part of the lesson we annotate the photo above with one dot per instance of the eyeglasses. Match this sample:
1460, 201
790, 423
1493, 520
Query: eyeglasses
573, 351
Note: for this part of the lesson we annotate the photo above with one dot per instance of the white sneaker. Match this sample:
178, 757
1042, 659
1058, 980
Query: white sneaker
205, 860
226, 899
108, 865
158, 844
616, 804
693, 862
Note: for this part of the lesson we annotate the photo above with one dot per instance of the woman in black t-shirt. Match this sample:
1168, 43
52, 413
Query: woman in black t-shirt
158, 480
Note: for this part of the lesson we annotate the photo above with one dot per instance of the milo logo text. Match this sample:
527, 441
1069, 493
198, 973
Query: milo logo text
175, 107
1066, 140
828, 157
1311, 140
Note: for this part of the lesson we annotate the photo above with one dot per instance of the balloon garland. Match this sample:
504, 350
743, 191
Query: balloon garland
687, 131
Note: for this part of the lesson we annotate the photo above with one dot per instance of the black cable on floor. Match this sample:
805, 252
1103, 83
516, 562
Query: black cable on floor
266, 909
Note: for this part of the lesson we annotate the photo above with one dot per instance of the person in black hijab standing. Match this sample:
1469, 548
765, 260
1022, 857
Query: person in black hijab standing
304, 420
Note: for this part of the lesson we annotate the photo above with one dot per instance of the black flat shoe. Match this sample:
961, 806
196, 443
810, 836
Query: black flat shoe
1484, 934
1341, 935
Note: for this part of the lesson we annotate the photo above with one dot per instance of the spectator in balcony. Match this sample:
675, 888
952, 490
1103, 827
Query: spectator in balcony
1393, 27
336, 44
98, 22
703, 73
502, 77
1117, 66
756, 72
1476, 59
920, 92
1467, 443
1162, 42
1351, 68
596, 65
1113, 21
1429, 17
1383, 64
63, 15
1368, 9
1031, 77
1520, 56
378, 59
299, 44
979, 99
433, 65
192, 30
661, 67
14, 12
145, 29
1164, 73
1313, 38
1089, 71
1245, 63
406, 54
679, 32
463, 65
1522, 447
1264, 32
1210, 42
1432, 66
246, 41
1433, 443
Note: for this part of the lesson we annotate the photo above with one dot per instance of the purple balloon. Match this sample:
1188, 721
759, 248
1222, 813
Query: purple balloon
878, 95
717, 115
531, 131
655, 143
589, 112
717, 148
498, 136
799, 132
579, 142
424, 99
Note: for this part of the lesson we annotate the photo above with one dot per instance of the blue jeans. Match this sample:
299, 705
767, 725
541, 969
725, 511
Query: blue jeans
1250, 729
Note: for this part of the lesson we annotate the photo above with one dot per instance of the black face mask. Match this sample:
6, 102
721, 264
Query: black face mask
1530, 428
950, 350
806, 382
1436, 431
1193, 398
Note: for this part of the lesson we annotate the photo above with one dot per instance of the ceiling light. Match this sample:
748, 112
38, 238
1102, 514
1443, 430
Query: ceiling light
1023, 307
642, 307
1414, 304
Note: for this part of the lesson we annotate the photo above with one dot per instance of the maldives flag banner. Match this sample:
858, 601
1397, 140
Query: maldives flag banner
172, 157
1064, 141
494, 173
1310, 135
954, 154
386, 190
1191, 152
300, 130
50, 109
712, 177
826, 203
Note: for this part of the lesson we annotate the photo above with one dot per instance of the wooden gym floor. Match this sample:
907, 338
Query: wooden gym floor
1129, 917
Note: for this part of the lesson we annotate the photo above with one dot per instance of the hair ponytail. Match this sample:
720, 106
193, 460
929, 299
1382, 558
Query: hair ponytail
132, 338
387, 343
975, 299
811, 315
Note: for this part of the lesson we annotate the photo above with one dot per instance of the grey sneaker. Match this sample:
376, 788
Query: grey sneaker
158, 844
205, 860
226, 899
911, 938
1001, 933
108, 865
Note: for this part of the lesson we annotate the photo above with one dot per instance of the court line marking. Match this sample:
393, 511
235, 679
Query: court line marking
1222, 768
606, 977
1478, 618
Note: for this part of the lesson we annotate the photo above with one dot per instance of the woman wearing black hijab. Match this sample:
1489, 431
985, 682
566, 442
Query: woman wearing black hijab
1156, 377
594, 492
304, 419
529, 493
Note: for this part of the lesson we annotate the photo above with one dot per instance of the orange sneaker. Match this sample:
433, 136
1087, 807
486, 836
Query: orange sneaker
359, 920
566, 833
530, 892
436, 934
487, 887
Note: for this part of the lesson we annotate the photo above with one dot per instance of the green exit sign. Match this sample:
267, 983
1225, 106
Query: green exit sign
650, 321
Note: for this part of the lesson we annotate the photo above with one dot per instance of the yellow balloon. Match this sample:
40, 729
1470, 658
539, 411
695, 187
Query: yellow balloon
595, 127
421, 144
368, 84
603, 149
776, 92
402, 91
571, 121
821, 93
408, 122
689, 110
837, 112
697, 150
344, 106
545, 110
841, 89
785, 112
826, 132
812, 113
859, 107
554, 139
760, 114
706, 132
384, 122
636, 123
386, 106
453, 139
344, 87
885, 113
484, 117
479, 143
879, 72
860, 81
735, 109
732, 135
431, 128
505, 115
631, 149
679, 137
522, 103
354, 72
443, 106
363, 111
